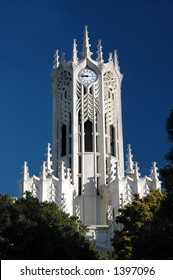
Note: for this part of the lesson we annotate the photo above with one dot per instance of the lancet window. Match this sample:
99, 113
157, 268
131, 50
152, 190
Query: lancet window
88, 136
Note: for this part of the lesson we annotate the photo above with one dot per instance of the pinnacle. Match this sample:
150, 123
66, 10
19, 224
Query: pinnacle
48, 161
129, 162
74, 53
99, 52
86, 45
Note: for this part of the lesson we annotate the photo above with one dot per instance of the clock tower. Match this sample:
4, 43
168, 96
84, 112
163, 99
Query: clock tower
85, 173
87, 125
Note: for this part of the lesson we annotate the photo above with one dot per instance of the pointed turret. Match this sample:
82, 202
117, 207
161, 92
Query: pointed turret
56, 60
48, 160
110, 57
86, 46
99, 53
136, 171
153, 172
116, 60
129, 162
43, 172
25, 172
75, 58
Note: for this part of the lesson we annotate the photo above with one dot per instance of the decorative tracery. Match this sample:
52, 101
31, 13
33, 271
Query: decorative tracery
110, 97
88, 100
64, 96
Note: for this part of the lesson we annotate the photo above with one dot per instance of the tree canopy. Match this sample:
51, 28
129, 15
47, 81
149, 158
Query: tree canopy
147, 224
33, 230
138, 228
167, 171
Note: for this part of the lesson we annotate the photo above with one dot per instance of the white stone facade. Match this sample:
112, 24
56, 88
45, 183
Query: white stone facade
86, 176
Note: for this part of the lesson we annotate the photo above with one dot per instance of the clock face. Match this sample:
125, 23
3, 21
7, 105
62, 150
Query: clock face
87, 76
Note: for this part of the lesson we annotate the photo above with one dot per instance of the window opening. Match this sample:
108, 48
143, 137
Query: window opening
98, 186
112, 140
79, 164
63, 140
79, 121
69, 145
69, 122
88, 137
79, 186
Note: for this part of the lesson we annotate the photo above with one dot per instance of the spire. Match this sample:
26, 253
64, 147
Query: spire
116, 60
129, 162
25, 172
136, 171
86, 46
75, 59
110, 57
153, 172
43, 171
56, 60
99, 52
48, 160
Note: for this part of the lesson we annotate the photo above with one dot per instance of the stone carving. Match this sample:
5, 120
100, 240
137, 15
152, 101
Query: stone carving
110, 97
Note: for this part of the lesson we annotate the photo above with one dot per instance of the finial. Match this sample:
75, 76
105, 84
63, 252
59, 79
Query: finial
62, 57
56, 60
48, 160
116, 60
75, 59
43, 171
110, 56
129, 162
25, 172
99, 52
153, 172
86, 46
136, 171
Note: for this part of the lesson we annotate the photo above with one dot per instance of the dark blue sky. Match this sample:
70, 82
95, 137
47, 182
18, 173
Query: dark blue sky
30, 31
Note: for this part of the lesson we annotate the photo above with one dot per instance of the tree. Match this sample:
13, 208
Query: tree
134, 218
33, 230
147, 231
159, 232
167, 171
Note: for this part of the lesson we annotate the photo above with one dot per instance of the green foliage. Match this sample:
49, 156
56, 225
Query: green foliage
167, 171
33, 230
147, 225
166, 174
138, 223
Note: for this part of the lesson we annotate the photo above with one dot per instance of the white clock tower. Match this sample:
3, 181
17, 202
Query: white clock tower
87, 125
86, 177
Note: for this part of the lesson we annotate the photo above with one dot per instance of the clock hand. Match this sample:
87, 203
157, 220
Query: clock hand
84, 76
